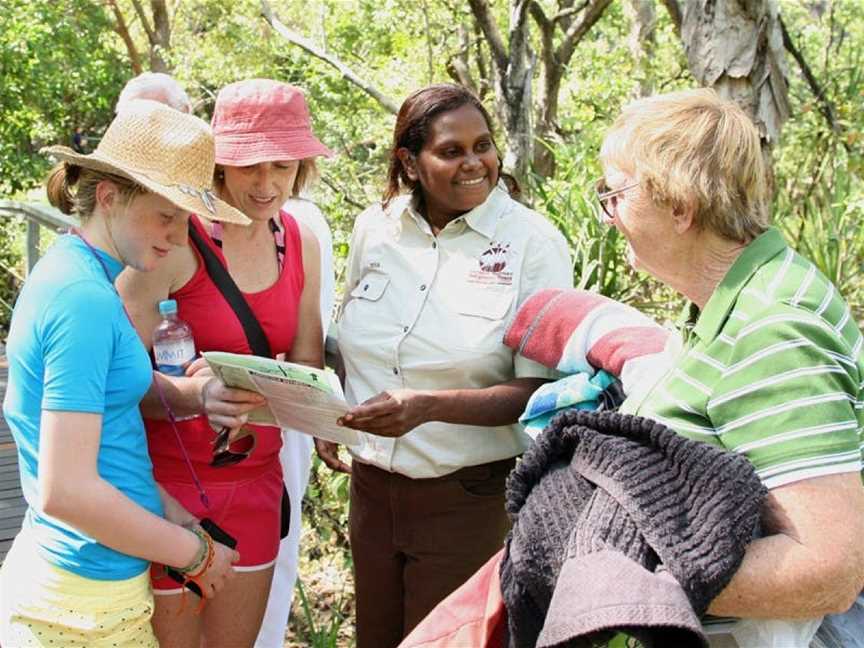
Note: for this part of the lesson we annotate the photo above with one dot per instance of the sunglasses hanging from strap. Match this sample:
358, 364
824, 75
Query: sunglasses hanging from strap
258, 342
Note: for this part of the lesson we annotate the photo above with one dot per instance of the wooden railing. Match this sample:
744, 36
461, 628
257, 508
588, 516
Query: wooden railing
37, 216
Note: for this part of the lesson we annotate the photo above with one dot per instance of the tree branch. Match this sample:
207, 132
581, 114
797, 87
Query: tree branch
344, 193
547, 35
565, 14
485, 83
578, 30
825, 105
480, 9
458, 67
562, 15
292, 37
123, 30
151, 37
540, 18
428, 41
161, 22
675, 14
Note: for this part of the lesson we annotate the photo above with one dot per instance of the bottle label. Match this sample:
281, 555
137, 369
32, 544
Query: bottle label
173, 357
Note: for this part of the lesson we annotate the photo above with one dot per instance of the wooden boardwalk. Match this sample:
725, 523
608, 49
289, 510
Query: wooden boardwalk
12, 505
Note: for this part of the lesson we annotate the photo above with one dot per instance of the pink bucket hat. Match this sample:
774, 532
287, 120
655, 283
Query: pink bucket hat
260, 120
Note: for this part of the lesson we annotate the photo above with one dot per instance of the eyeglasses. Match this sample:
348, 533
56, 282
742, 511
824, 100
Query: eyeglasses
604, 195
224, 454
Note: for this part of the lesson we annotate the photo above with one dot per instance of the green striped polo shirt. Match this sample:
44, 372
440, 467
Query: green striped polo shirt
771, 368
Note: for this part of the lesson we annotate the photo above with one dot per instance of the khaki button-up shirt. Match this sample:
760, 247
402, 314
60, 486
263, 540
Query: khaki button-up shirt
429, 312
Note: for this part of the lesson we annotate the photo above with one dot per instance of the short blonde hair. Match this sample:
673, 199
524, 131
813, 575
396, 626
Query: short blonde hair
693, 146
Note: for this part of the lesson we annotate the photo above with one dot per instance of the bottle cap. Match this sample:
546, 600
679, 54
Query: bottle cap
167, 307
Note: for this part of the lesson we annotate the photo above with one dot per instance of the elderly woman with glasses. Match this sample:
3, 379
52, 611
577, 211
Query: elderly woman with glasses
772, 363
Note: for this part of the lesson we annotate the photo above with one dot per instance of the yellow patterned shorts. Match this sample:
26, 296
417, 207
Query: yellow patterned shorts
44, 605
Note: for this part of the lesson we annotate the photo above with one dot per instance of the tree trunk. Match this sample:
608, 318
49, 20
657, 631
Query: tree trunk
514, 88
736, 47
643, 28
512, 70
158, 34
162, 32
555, 61
122, 29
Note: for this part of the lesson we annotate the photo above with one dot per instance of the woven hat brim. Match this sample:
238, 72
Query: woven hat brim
217, 210
244, 149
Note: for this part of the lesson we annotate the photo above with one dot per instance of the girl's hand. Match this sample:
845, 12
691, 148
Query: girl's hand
220, 571
174, 510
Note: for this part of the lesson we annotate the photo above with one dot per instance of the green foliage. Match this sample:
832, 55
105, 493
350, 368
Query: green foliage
317, 634
325, 509
825, 226
11, 270
818, 170
62, 66
58, 70
567, 200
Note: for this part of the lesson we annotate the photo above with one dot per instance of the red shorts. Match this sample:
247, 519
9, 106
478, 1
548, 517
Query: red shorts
249, 510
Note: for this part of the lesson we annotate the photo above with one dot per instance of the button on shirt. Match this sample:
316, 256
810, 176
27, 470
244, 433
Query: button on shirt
425, 312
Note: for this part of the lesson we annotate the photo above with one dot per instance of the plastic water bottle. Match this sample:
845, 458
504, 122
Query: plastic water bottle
173, 345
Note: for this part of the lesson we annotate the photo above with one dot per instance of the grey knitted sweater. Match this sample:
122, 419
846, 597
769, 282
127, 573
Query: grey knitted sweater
620, 524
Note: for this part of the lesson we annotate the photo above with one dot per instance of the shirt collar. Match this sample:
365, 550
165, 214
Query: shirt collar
761, 250
483, 219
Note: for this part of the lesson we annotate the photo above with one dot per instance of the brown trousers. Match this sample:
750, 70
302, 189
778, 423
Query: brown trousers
414, 541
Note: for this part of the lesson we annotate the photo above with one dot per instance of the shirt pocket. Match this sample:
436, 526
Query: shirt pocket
365, 308
482, 317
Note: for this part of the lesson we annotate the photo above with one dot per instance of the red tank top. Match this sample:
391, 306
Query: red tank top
215, 327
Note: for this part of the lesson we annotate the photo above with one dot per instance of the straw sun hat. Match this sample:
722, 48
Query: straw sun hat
165, 151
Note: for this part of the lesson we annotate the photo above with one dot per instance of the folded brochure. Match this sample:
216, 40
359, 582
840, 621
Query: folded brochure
302, 398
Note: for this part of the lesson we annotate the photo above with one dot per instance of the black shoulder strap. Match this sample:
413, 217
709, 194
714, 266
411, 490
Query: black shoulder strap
219, 274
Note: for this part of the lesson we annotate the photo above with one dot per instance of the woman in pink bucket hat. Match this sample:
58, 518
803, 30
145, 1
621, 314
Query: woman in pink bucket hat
265, 153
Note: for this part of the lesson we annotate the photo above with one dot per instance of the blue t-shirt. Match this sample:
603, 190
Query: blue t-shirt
71, 348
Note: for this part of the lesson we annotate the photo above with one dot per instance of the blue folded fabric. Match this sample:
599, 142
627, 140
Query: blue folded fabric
579, 391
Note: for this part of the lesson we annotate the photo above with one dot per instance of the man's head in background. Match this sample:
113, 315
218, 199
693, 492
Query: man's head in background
155, 86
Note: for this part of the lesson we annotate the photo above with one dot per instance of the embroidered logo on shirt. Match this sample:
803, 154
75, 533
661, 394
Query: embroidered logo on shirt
494, 259
494, 269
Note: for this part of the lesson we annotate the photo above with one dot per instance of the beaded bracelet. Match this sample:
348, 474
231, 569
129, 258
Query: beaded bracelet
201, 556
189, 577
206, 562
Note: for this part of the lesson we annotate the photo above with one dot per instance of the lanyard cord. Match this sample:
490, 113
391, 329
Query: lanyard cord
278, 240
171, 419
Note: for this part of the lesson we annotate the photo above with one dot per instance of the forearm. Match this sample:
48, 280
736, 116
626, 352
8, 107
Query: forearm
814, 562
184, 396
174, 511
490, 406
99, 510
780, 578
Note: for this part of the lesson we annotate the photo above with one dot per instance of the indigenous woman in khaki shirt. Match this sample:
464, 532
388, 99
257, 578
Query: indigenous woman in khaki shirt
434, 277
